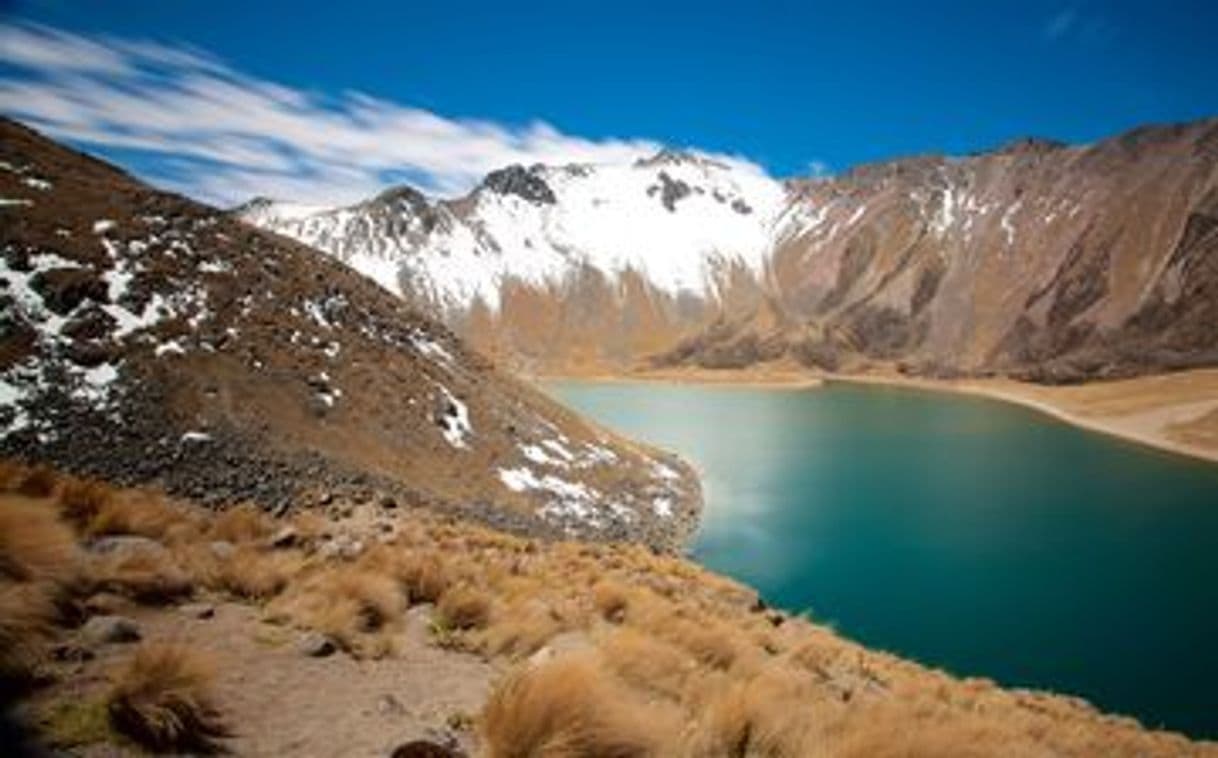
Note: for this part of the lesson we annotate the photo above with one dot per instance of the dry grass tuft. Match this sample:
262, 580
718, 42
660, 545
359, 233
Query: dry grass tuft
521, 630
162, 700
35, 545
27, 624
254, 574
711, 643
648, 664
463, 608
241, 523
38, 481
611, 600
350, 604
424, 575
570, 707
80, 500
772, 714
147, 576
144, 514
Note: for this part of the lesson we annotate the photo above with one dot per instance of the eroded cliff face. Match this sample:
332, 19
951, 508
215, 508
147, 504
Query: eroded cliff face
1038, 260
1041, 261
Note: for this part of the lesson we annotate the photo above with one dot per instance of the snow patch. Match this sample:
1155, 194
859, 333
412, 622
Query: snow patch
454, 419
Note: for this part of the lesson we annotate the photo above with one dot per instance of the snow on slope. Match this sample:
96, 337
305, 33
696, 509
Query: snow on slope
677, 220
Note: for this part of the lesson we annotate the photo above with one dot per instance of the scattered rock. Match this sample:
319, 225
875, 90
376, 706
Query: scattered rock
284, 538
389, 502
69, 652
105, 604
316, 645
125, 545
567, 642
198, 610
222, 549
108, 629
388, 705
425, 749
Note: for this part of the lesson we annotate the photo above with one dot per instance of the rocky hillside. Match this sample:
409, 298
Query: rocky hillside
147, 338
1038, 260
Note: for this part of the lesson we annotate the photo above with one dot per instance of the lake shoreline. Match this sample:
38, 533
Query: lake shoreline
1146, 411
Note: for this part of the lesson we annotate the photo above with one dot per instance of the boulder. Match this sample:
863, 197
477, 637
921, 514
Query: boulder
284, 538
102, 630
316, 645
198, 610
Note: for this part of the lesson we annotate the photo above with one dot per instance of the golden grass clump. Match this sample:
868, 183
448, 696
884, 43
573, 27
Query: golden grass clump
611, 600
423, 574
350, 604
711, 643
772, 714
162, 700
254, 574
35, 545
27, 623
139, 513
37, 481
463, 608
80, 500
648, 664
571, 707
241, 523
146, 576
521, 630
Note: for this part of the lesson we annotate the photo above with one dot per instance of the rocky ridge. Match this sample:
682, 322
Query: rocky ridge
1037, 260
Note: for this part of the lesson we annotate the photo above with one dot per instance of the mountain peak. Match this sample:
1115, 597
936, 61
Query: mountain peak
669, 156
1030, 145
523, 182
398, 195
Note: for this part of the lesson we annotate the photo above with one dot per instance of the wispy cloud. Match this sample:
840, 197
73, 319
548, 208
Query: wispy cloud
221, 135
818, 169
1084, 26
1059, 24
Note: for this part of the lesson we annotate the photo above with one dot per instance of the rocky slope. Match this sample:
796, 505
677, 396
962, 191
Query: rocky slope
1037, 260
148, 338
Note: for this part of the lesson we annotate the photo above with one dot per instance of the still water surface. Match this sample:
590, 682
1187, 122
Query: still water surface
965, 533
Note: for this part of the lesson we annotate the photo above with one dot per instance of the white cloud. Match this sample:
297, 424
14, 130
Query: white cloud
221, 136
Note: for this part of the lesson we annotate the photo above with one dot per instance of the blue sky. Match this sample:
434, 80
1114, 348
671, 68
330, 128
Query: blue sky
324, 101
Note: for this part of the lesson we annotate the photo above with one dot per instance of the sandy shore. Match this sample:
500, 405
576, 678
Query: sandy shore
1176, 412
770, 377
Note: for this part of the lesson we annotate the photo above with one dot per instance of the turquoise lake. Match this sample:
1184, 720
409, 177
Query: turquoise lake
965, 533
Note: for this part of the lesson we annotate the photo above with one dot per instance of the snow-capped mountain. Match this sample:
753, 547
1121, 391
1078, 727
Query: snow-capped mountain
678, 227
678, 220
1037, 259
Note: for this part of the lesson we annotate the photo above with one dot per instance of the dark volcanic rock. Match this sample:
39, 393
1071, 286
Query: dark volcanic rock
517, 180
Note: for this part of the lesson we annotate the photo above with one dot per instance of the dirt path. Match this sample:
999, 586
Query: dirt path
280, 701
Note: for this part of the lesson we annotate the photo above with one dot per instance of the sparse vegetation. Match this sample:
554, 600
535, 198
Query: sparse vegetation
569, 708
161, 699
72, 723
464, 608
